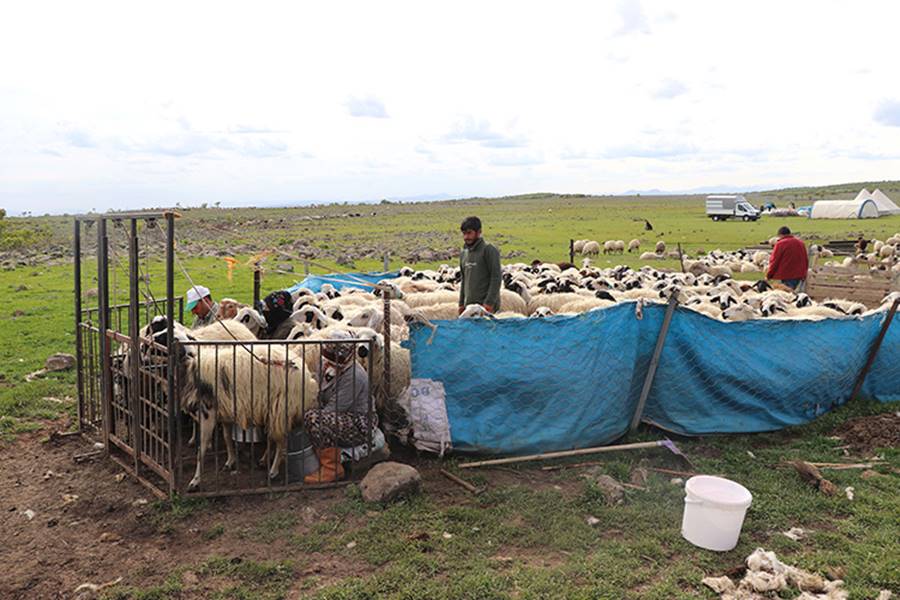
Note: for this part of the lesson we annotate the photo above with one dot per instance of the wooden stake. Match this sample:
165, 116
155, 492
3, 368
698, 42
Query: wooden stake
461, 482
564, 453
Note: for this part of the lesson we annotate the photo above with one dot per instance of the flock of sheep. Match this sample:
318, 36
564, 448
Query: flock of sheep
218, 388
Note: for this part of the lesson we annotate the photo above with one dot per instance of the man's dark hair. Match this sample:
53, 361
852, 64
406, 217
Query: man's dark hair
470, 224
784, 231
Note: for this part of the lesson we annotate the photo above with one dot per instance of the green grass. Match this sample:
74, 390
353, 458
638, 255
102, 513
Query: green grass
513, 541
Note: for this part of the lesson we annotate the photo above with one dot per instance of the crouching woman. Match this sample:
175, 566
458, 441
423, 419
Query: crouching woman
342, 417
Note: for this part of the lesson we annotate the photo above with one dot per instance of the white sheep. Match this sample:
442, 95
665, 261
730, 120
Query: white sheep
262, 387
609, 246
542, 311
578, 246
591, 248
740, 312
648, 256
252, 320
228, 329
660, 247
634, 245
886, 251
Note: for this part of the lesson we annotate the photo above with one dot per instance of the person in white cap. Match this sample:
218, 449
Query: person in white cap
201, 305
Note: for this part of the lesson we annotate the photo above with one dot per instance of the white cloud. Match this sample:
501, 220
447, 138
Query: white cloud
670, 89
588, 97
368, 106
888, 113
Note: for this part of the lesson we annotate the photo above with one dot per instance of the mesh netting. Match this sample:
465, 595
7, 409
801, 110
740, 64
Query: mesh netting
516, 386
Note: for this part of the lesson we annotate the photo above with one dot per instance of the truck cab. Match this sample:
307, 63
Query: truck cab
720, 207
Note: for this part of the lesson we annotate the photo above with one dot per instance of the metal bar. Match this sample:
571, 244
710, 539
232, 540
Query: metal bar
873, 352
103, 310
386, 333
654, 362
572, 251
171, 347
79, 351
145, 482
133, 318
293, 487
125, 215
257, 281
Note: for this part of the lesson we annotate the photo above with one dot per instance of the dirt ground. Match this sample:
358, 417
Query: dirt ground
864, 434
88, 526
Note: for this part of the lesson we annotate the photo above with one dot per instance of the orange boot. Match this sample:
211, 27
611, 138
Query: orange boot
330, 468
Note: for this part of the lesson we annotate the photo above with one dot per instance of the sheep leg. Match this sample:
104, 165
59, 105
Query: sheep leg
207, 428
276, 460
193, 439
264, 459
230, 464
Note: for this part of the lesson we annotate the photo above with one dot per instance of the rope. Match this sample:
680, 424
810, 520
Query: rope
240, 343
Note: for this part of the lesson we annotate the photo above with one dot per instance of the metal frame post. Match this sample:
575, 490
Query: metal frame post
79, 350
173, 440
103, 317
133, 321
654, 362
386, 333
572, 251
873, 352
257, 284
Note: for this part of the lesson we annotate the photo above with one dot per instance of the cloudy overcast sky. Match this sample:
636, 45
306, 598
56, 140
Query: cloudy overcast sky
108, 105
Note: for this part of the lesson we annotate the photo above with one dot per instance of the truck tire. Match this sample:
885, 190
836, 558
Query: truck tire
715, 217
746, 217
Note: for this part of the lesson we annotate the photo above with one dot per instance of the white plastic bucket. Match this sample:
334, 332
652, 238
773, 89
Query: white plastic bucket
714, 510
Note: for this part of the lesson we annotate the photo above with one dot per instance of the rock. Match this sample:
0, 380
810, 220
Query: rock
869, 474
639, 476
189, 579
29, 514
612, 490
592, 521
286, 267
22, 288
110, 537
18, 313
59, 362
389, 481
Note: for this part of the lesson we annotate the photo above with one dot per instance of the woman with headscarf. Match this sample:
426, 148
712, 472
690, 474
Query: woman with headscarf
276, 310
342, 418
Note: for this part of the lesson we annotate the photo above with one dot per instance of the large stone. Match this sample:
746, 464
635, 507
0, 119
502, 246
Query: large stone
612, 490
59, 362
388, 481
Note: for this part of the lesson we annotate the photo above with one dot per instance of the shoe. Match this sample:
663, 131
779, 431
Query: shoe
330, 468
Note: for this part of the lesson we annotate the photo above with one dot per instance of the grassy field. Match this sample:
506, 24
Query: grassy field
523, 538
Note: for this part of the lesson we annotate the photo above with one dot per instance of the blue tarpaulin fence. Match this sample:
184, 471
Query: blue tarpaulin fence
537, 385
343, 280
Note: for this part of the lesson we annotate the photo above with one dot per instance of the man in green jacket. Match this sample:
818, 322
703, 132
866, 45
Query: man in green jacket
479, 268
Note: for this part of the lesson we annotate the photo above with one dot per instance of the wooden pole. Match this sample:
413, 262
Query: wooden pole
873, 352
680, 257
562, 454
461, 482
572, 251
654, 362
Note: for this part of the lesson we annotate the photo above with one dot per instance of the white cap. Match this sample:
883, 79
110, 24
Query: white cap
195, 294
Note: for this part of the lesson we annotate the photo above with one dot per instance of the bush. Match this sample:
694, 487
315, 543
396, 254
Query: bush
15, 234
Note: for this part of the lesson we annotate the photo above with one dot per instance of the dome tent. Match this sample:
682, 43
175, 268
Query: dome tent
845, 209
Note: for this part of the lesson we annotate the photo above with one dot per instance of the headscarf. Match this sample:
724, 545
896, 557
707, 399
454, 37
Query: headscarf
276, 309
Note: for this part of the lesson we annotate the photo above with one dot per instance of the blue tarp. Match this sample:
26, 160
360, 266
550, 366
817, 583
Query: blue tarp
537, 385
343, 280
883, 381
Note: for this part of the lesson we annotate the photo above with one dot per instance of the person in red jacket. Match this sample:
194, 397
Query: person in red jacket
789, 261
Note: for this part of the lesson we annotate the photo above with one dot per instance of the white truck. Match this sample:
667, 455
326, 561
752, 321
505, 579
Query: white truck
720, 207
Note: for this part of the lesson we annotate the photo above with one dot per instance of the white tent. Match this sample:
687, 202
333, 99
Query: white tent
863, 194
844, 209
885, 205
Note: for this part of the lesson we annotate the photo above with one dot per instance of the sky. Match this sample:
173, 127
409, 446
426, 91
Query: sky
130, 105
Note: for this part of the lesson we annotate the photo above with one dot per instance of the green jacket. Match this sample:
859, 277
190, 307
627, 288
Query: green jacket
479, 267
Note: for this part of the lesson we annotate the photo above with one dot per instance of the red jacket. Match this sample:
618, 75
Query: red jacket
789, 260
